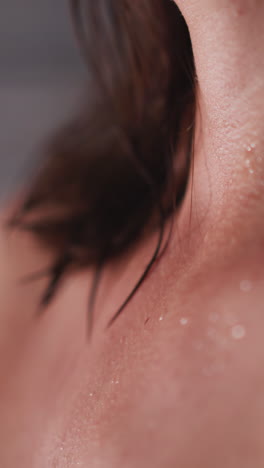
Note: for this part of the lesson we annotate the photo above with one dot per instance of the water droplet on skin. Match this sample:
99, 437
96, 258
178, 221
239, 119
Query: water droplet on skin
183, 321
238, 332
250, 147
245, 286
248, 162
114, 382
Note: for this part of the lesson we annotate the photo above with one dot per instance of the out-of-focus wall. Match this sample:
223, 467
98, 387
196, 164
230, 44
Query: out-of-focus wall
41, 76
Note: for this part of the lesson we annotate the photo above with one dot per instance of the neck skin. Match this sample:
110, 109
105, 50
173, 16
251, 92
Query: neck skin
228, 39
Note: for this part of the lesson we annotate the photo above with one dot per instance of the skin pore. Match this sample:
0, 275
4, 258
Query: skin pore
178, 380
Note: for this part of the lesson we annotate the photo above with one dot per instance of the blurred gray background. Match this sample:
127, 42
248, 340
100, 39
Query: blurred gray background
41, 78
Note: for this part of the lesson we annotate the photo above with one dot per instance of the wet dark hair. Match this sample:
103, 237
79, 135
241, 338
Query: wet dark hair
111, 173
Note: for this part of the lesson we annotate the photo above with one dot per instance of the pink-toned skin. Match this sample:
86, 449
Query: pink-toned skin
178, 381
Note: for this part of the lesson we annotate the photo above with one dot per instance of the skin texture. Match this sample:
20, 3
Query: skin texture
178, 380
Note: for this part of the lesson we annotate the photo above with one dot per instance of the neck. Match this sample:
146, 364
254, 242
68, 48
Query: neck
227, 39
